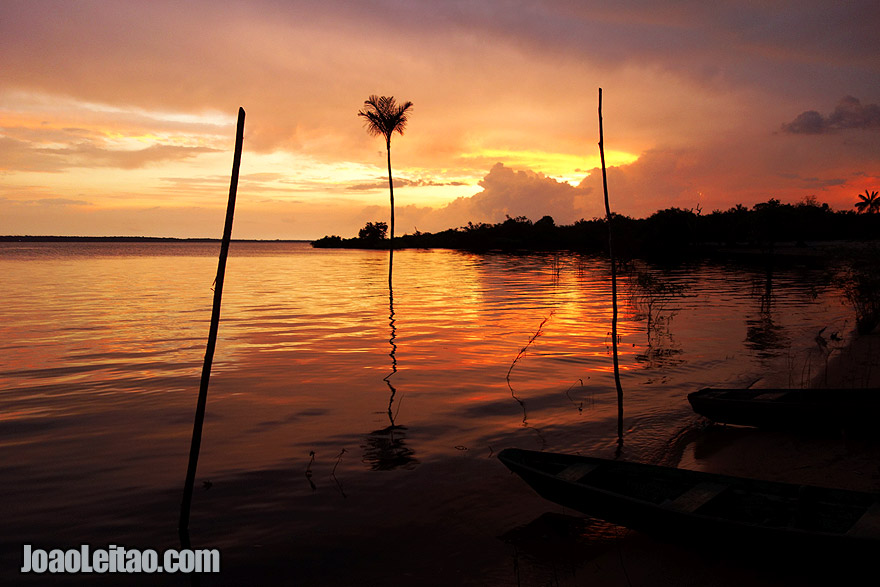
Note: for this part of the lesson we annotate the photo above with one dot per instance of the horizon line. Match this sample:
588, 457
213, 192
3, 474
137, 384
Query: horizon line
30, 237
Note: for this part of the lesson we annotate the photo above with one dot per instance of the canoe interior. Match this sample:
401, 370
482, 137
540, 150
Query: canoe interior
830, 396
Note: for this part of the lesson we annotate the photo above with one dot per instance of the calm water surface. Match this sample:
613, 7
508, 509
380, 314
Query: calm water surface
351, 427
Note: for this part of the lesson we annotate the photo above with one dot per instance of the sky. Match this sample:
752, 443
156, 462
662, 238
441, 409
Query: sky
118, 118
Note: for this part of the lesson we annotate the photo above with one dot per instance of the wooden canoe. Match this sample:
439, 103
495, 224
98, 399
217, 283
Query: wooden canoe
694, 506
809, 409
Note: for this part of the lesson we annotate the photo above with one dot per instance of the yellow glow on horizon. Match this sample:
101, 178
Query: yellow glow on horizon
560, 166
88, 159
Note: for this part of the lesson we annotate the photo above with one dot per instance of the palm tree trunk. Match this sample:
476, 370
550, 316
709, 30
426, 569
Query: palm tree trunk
613, 280
391, 191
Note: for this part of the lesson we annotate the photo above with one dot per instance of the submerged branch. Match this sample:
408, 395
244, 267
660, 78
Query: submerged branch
519, 356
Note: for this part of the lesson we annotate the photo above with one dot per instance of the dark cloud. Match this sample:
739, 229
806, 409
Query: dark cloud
849, 113
45, 202
90, 155
455, 53
809, 122
21, 155
382, 183
812, 182
16, 155
59, 202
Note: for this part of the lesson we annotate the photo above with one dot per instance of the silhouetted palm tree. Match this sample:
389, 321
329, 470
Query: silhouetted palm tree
868, 203
384, 118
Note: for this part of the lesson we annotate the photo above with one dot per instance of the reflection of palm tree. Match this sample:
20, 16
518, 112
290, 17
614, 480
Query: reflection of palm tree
869, 203
763, 335
385, 449
392, 354
384, 118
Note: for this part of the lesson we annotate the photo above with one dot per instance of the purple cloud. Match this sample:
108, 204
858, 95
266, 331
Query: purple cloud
849, 113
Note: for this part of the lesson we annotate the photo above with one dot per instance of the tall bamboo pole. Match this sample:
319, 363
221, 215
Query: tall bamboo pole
613, 279
183, 525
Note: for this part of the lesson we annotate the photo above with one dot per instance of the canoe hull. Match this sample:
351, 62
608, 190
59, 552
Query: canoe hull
692, 506
802, 409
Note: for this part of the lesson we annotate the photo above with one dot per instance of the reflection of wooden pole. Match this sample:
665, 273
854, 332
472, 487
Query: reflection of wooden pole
212, 333
613, 279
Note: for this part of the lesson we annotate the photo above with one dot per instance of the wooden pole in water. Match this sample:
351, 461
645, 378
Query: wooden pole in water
613, 279
212, 333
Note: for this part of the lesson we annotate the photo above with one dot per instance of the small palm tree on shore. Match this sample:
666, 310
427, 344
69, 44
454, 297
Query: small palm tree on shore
384, 116
869, 203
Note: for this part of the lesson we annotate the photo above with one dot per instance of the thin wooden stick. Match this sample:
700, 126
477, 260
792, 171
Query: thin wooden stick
212, 334
613, 280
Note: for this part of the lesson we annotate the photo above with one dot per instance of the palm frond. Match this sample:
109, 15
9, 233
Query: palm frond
383, 116
869, 203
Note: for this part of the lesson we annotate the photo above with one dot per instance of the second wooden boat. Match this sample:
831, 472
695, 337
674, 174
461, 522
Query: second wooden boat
810, 409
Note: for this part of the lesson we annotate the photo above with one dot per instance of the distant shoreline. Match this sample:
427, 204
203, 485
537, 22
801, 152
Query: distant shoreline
136, 239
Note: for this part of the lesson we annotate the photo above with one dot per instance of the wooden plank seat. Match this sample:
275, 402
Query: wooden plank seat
696, 496
576, 472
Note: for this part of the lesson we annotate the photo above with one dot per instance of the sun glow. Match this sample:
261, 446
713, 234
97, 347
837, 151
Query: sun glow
564, 167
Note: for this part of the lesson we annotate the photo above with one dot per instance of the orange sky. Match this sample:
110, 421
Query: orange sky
117, 118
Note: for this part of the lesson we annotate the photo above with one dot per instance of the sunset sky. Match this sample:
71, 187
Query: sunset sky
118, 117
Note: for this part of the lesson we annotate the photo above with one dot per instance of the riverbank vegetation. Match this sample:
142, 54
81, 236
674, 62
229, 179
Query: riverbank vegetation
669, 232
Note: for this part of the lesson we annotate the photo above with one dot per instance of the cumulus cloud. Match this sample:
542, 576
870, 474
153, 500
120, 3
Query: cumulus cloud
849, 113
713, 176
660, 178
506, 192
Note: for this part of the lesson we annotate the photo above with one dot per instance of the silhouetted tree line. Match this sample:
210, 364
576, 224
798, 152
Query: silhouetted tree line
673, 231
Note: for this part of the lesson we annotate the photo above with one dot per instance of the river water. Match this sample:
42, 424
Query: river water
352, 428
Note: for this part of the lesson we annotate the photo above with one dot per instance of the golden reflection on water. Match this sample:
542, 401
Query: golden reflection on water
106, 343
332, 421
